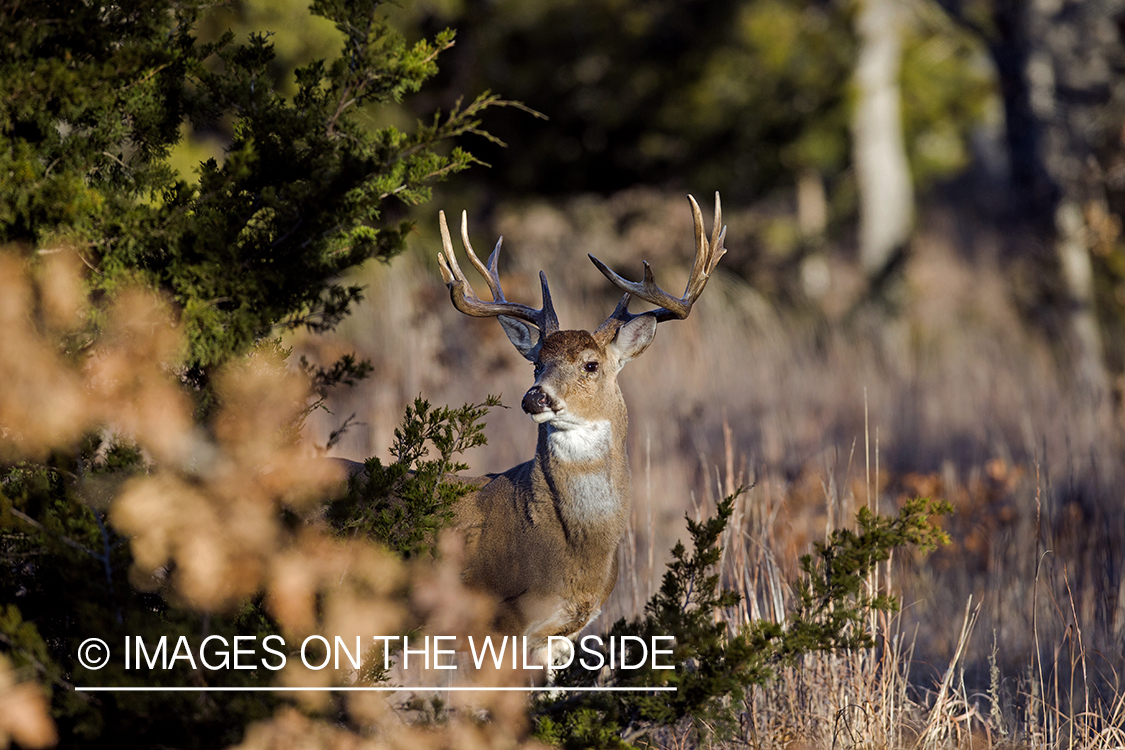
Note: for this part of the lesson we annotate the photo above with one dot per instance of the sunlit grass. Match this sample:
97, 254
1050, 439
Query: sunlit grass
954, 397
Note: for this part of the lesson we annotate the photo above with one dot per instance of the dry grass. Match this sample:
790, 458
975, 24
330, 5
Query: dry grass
1010, 637
954, 397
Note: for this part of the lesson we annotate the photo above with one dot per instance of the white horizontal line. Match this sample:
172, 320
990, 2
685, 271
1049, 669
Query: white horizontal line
374, 689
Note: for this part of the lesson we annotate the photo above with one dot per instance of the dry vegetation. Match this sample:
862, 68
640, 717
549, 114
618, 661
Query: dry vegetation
206, 521
1012, 634
1009, 637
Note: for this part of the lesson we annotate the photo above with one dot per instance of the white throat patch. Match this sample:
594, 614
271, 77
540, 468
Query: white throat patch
593, 496
586, 441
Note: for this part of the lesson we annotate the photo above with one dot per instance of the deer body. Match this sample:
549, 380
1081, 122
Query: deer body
542, 537
550, 568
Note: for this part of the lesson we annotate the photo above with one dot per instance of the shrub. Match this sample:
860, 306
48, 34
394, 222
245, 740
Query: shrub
714, 662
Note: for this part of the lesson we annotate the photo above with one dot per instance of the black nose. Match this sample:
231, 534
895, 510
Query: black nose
536, 401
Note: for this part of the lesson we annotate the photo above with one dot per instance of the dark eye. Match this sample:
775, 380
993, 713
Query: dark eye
591, 367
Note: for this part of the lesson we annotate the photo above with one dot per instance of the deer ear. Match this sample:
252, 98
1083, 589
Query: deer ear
523, 336
633, 338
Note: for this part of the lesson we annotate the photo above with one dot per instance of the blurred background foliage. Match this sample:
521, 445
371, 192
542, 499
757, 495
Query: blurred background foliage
992, 366
740, 96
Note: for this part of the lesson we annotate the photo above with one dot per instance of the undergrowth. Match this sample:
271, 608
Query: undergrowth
716, 663
404, 503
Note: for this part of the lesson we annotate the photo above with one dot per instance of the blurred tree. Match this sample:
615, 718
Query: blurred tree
95, 98
745, 96
732, 95
886, 195
1060, 65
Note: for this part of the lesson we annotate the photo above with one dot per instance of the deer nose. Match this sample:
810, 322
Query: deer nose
536, 401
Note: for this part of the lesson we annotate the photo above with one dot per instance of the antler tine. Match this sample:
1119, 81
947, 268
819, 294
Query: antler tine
491, 277
707, 254
550, 322
450, 272
715, 231
619, 317
701, 246
465, 298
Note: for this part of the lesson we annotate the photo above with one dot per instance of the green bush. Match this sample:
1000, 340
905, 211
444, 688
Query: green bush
405, 503
715, 663
312, 182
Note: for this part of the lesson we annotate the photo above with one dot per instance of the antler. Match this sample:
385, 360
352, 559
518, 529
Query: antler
466, 300
707, 254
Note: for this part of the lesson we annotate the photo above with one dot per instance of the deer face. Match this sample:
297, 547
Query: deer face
575, 373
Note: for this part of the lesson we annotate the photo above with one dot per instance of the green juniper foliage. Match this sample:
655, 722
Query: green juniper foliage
715, 664
832, 600
94, 99
405, 503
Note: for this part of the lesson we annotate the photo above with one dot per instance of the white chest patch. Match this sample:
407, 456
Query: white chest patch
592, 496
588, 441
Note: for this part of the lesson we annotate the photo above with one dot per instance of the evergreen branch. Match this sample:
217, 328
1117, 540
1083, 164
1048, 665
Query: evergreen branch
40, 527
715, 662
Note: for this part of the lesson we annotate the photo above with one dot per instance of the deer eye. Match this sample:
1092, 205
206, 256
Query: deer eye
591, 367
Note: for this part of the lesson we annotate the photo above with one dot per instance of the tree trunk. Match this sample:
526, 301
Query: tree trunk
1034, 193
1073, 78
1078, 280
886, 195
1061, 70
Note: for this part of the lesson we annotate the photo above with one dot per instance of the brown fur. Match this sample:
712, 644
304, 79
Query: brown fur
568, 345
527, 540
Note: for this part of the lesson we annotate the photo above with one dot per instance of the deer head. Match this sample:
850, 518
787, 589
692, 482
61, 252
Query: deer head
576, 371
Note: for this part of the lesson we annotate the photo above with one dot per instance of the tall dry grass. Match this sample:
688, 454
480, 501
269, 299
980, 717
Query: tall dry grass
953, 396
1011, 636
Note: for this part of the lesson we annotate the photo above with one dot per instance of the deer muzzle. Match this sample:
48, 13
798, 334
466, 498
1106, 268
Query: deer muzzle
537, 401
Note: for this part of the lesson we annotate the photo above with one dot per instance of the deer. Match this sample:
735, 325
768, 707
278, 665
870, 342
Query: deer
542, 537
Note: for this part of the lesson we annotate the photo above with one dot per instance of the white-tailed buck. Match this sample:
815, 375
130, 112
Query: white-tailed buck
542, 537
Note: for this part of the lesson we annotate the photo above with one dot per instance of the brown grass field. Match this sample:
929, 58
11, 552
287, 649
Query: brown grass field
1010, 636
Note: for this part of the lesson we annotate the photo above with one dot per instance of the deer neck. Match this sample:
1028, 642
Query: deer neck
587, 471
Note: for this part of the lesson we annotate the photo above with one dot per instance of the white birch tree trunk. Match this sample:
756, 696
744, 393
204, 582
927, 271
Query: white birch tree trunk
886, 194
1073, 251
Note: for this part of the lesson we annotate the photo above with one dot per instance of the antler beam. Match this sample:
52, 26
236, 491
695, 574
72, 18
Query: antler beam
467, 301
707, 254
